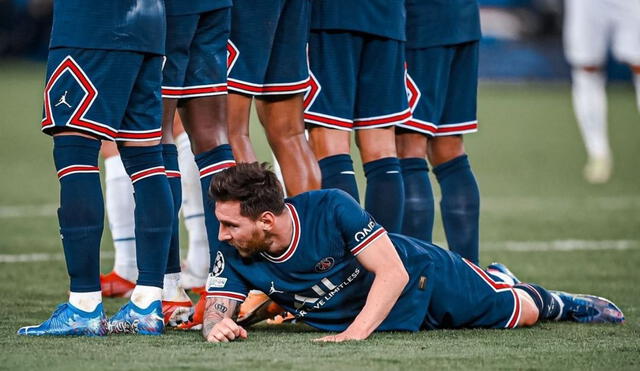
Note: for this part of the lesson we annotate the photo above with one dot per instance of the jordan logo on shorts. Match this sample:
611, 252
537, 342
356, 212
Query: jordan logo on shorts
63, 100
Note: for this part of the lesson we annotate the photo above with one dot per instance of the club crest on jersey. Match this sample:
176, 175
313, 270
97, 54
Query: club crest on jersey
364, 232
218, 265
324, 264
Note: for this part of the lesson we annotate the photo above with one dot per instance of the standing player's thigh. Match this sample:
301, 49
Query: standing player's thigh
381, 96
180, 33
626, 34
288, 71
143, 116
464, 296
459, 109
586, 32
207, 70
427, 82
253, 28
88, 90
334, 58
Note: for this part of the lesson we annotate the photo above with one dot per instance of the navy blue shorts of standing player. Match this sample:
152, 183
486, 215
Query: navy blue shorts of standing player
267, 47
112, 94
196, 57
442, 84
357, 81
465, 296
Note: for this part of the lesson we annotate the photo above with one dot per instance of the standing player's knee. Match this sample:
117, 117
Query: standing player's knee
529, 312
443, 149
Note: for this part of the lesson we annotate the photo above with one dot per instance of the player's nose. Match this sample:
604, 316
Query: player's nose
223, 233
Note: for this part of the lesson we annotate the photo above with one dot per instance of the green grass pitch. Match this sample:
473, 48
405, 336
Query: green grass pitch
538, 216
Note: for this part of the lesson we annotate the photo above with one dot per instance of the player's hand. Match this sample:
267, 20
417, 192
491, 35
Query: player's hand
338, 338
225, 331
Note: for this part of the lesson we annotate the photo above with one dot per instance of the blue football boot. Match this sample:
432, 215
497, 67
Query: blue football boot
500, 269
68, 320
132, 319
588, 309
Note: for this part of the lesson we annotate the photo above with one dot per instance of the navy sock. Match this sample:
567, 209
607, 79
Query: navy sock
337, 172
170, 156
418, 205
210, 163
384, 198
81, 212
548, 306
153, 213
460, 206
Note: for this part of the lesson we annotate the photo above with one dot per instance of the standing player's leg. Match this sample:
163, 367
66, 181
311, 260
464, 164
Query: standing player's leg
381, 103
418, 217
282, 119
196, 265
329, 106
120, 205
239, 107
586, 34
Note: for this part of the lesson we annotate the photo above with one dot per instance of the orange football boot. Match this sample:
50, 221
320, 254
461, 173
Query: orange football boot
197, 317
176, 312
257, 307
115, 286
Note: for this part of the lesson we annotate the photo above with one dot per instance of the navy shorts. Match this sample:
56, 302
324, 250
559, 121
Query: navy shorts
113, 94
267, 47
442, 85
196, 60
465, 296
357, 81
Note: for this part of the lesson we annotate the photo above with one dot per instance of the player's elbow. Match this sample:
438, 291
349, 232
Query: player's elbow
402, 277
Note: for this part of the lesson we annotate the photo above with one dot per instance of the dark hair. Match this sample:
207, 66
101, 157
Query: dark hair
253, 184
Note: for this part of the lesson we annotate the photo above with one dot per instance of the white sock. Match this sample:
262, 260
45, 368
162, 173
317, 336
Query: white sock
636, 85
172, 289
86, 301
143, 296
590, 105
120, 207
193, 210
278, 171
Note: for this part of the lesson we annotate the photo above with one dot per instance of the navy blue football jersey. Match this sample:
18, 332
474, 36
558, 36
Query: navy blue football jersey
134, 25
384, 18
318, 277
442, 22
185, 7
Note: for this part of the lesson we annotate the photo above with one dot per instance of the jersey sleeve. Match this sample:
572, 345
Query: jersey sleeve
357, 227
225, 281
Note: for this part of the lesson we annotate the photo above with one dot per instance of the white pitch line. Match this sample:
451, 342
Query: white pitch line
522, 246
27, 211
42, 257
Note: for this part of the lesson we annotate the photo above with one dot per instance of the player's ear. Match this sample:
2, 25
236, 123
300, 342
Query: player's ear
266, 220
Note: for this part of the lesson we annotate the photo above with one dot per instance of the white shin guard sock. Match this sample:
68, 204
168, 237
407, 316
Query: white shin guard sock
120, 207
193, 213
636, 85
590, 105
86, 301
143, 296
172, 289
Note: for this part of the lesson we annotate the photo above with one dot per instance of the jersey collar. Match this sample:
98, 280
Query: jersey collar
295, 240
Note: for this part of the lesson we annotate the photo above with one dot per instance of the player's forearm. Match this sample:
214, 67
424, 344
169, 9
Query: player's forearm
216, 309
384, 294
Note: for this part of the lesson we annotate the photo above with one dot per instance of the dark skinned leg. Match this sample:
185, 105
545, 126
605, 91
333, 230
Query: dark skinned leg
282, 118
205, 120
239, 106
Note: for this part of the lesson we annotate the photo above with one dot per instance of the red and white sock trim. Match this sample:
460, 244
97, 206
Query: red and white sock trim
194, 91
216, 168
77, 169
383, 121
142, 174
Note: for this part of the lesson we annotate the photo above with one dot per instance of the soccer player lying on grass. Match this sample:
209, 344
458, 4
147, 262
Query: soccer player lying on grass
324, 259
